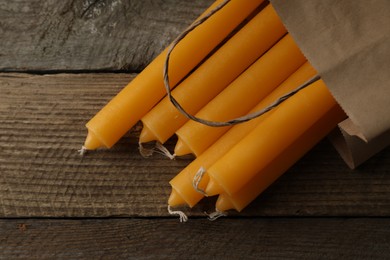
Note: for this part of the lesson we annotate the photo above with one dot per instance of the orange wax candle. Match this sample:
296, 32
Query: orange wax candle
228, 62
240, 96
141, 94
182, 190
281, 163
254, 152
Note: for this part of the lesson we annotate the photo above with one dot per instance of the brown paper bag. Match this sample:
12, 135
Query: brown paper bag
348, 42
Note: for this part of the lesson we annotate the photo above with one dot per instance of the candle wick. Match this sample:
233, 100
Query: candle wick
158, 148
145, 152
182, 216
197, 179
161, 149
82, 151
215, 215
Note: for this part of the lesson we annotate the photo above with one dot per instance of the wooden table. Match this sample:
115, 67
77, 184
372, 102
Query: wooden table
60, 62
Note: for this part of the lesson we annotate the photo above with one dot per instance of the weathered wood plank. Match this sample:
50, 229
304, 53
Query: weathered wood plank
42, 121
264, 238
89, 34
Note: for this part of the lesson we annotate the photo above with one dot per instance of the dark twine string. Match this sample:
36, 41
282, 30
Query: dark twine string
237, 120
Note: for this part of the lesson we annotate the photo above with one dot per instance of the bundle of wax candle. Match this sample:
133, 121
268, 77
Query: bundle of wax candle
251, 62
216, 73
146, 90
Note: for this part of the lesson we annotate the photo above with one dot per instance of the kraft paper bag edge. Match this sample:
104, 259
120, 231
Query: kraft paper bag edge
352, 149
313, 24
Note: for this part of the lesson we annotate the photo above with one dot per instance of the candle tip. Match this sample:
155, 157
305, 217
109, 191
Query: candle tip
223, 203
146, 135
181, 148
213, 188
92, 142
175, 199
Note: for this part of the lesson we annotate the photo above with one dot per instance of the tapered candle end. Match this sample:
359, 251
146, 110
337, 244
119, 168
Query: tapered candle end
213, 188
147, 135
181, 148
223, 203
92, 142
175, 199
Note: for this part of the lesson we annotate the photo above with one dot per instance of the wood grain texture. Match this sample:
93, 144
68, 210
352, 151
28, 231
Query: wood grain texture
89, 34
264, 238
55, 204
42, 175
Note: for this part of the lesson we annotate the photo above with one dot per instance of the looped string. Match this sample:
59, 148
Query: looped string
161, 149
182, 216
82, 151
215, 215
158, 148
145, 152
197, 179
237, 120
